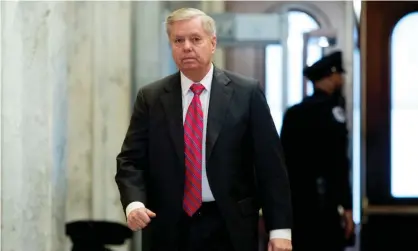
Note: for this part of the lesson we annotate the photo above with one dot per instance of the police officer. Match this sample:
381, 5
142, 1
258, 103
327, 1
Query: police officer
314, 138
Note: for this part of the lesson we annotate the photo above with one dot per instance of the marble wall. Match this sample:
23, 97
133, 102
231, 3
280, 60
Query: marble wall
150, 44
79, 204
65, 105
100, 58
34, 121
212, 7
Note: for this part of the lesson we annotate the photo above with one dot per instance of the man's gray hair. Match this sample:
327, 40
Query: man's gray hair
189, 13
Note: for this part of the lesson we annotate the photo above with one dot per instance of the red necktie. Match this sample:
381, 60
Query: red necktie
193, 138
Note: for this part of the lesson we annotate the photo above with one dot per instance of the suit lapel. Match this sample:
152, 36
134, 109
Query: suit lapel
173, 107
220, 97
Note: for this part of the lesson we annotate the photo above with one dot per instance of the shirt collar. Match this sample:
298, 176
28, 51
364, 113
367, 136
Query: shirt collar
186, 83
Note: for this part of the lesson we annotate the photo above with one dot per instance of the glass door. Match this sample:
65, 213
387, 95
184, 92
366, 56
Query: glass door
275, 73
284, 64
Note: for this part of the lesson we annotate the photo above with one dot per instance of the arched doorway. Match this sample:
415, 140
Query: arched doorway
284, 89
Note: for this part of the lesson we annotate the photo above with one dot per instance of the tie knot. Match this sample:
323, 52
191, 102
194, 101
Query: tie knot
197, 88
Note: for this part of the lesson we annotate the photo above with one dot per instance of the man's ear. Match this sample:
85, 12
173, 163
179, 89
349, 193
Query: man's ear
214, 43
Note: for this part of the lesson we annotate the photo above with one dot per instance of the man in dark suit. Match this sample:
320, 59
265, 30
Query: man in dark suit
314, 138
203, 147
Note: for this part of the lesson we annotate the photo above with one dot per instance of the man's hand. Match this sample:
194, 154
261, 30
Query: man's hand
349, 223
139, 218
278, 244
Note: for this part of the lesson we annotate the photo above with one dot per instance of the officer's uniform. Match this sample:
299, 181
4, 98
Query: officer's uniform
314, 138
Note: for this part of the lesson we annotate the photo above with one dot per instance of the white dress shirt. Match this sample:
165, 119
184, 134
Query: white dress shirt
187, 96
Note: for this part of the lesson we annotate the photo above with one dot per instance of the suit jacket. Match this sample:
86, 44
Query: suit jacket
244, 162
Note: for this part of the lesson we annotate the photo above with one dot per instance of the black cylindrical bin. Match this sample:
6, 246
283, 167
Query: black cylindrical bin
95, 235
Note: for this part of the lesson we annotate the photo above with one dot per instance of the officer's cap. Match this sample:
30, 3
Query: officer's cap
325, 66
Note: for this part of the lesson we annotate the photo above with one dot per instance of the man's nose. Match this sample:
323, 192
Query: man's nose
187, 45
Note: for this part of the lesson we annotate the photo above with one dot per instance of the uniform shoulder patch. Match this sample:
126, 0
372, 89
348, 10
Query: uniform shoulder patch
338, 113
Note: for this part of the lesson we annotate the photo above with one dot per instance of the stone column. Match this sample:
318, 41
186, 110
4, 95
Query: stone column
80, 113
1, 117
100, 87
211, 7
34, 123
111, 88
151, 55
151, 48
99, 105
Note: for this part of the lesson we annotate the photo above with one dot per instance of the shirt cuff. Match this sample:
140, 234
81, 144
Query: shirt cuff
281, 234
132, 206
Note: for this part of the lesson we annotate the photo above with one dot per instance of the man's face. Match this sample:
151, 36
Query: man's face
192, 47
338, 80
